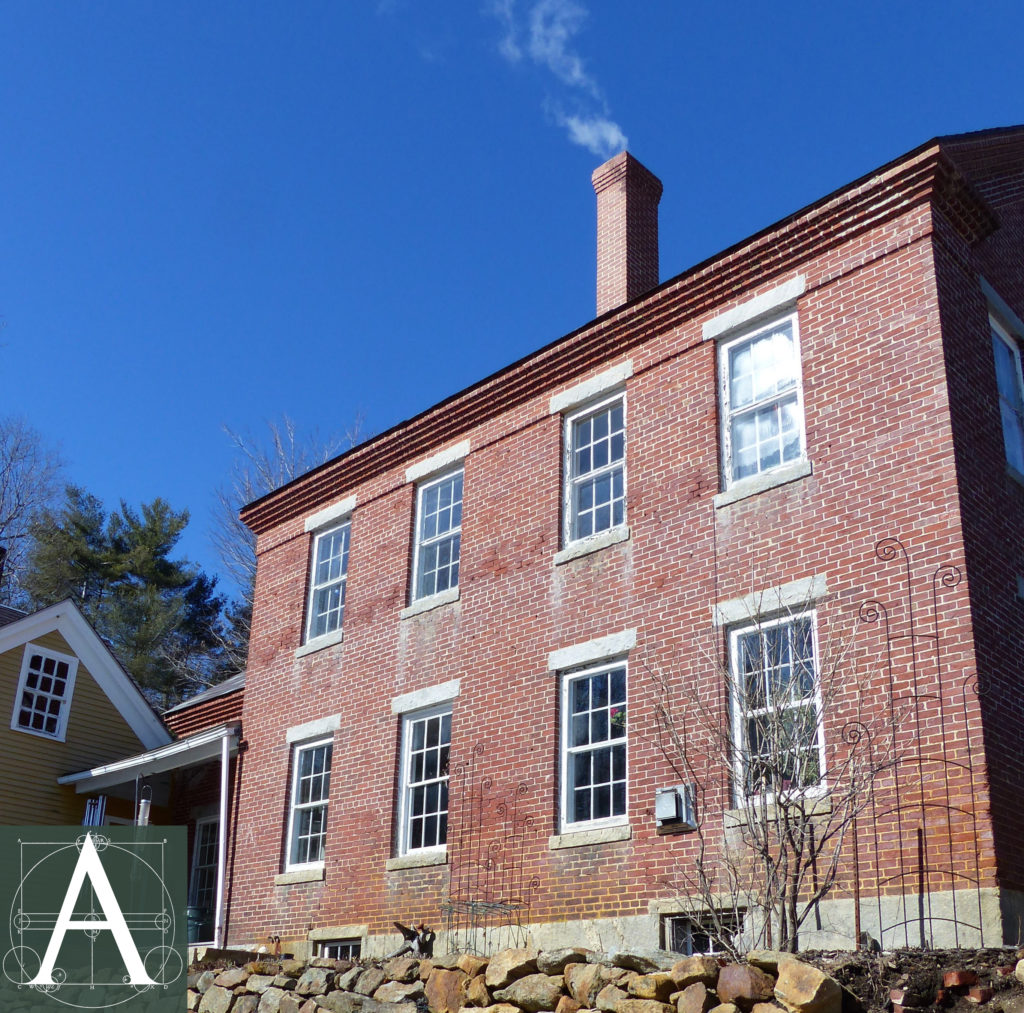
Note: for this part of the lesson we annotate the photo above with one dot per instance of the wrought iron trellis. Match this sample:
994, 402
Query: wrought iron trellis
927, 804
489, 895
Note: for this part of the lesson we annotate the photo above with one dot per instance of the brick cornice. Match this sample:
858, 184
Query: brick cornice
925, 176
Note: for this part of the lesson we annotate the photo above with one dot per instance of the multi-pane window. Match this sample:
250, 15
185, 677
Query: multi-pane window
709, 933
423, 816
340, 949
327, 581
203, 887
311, 785
595, 469
762, 415
44, 692
1011, 394
438, 535
594, 746
776, 717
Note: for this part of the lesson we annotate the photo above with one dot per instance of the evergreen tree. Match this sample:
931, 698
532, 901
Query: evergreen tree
160, 615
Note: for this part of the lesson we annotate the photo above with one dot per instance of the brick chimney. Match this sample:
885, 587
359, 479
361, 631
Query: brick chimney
627, 230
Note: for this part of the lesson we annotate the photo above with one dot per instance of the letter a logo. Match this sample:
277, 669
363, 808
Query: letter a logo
89, 864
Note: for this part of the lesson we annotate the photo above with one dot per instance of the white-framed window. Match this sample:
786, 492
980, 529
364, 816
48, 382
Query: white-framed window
762, 400
595, 469
438, 535
43, 699
423, 788
328, 574
340, 949
311, 788
709, 933
202, 891
594, 747
1010, 382
777, 727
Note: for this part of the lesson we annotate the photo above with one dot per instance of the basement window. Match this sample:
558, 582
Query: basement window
709, 933
340, 949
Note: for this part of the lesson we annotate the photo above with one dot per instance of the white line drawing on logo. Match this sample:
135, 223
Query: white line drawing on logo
158, 966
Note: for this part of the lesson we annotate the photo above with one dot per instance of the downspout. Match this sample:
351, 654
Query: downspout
222, 839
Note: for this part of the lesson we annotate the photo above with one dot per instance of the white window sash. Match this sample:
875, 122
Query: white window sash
570, 481
294, 807
740, 710
64, 711
420, 544
567, 751
724, 394
406, 784
314, 588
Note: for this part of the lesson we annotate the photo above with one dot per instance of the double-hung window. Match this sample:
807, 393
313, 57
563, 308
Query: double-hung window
438, 535
762, 410
777, 733
43, 698
1011, 393
311, 787
595, 469
423, 799
594, 747
328, 576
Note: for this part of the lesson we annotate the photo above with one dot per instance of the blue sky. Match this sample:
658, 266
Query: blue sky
218, 212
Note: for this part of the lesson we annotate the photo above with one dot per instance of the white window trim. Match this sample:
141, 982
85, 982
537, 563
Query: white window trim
738, 713
297, 748
592, 828
1012, 341
596, 387
785, 471
311, 643
607, 536
64, 714
435, 854
423, 603
203, 821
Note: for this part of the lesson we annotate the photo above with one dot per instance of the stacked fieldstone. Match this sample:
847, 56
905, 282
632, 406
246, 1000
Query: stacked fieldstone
522, 981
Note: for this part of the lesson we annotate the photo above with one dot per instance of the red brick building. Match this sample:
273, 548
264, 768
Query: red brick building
464, 628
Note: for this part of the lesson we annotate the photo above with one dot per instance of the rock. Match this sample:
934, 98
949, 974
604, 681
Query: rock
504, 967
293, 968
347, 979
270, 1000
328, 962
475, 992
444, 990
314, 981
979, 994
959, 979
398, 991
609, 998
660, 985
805, 989
471, 965
644, 961
261, 982
449, 961
567, 1004
556, 961
403, 969
247, 1004
725, 1007
426, 966
504, 1007
309, 1006
284, 981
695, 998
192, 999
204, 981
765, 1007
340, 1002
1018, 971
743, 985
642, 1006
692, 969
1013, 1003
231, 977
216, 1000
767, 960
532, 993
369, 981
583, 982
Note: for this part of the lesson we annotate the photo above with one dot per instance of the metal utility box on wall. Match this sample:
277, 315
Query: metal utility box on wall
675, 809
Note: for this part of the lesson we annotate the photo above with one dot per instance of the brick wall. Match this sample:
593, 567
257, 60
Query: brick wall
880, 438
